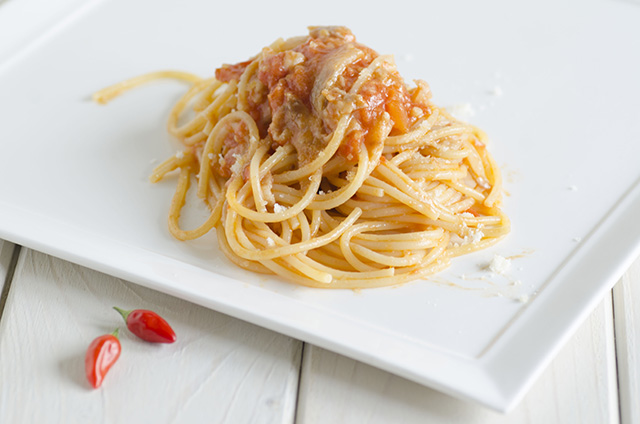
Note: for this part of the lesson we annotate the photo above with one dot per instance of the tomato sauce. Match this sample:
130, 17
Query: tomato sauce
234, 145
228, 73
289, 78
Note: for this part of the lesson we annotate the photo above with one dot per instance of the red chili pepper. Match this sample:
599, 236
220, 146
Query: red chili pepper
102, 353
148, 325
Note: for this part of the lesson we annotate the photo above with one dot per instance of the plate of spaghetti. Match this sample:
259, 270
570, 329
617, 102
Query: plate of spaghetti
319, 165
423, 193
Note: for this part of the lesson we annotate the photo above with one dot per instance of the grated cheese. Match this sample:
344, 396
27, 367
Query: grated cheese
500, 264
277, 208
473, 237
237, 166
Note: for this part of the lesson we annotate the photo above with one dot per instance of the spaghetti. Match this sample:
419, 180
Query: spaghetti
319, 165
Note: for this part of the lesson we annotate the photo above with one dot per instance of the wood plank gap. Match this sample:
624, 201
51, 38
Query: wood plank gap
616, 352
9, 277
295, 409
627, 328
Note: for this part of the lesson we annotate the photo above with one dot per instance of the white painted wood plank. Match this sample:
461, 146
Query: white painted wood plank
626, 302
578, 387
220, 370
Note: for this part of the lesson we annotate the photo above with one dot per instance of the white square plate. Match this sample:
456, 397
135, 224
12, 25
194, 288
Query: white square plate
555, 85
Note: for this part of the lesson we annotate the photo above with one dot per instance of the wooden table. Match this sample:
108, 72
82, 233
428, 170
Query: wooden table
223, 370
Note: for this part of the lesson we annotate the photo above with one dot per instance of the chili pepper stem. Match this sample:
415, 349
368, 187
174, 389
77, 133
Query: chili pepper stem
122, 312
116, 332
